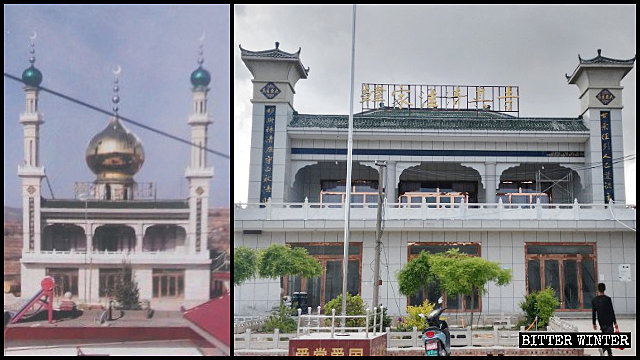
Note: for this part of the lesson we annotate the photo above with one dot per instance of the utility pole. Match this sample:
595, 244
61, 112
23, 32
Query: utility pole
376, 272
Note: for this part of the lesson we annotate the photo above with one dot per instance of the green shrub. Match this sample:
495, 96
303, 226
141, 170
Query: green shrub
355, 306
541, 304
280, 319
386, 320
413, 318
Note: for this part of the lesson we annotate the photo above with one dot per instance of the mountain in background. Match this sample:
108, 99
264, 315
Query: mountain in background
12, 214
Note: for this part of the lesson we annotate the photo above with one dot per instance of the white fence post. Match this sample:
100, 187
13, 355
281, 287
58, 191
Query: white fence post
319, 318
299, 321
366, 332
414, 336
305, 208
309, 314
381, 317
388, 336
333, 321
276, 337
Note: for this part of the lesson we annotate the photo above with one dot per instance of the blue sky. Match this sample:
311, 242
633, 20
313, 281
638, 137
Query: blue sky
77, 47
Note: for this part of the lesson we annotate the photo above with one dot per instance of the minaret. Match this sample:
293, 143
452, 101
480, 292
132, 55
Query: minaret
31, 172
598, 81
275, 74
198, 174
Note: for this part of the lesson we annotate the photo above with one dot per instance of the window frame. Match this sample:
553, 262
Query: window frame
324, 259
561, 258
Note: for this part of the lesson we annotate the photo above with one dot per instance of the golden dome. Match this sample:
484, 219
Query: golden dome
115, 153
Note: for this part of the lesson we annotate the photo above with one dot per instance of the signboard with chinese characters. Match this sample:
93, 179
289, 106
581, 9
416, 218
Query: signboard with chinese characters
348, 346
449, 97
607, 161
267, 152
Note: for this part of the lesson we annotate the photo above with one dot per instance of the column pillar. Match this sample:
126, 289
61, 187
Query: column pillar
391, 185
491, 183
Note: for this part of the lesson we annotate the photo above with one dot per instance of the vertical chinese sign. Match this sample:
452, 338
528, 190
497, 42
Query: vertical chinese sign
607, 161
267, 152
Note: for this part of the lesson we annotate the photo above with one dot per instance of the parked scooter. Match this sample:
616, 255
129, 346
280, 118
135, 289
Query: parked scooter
436, 337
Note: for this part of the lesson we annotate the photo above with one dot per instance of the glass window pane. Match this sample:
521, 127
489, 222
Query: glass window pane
314, 291
533, 275
552, 276
519, 199
332, 198
588, 282
453, 302
357, 199
329, 250
333, 280
570, 284
560, 249
505, 199
353, 277
172, 286
445, 199
156, 288
180, 284
433, 293
468, 304
403, 199
431, 200
163, 286
416, 199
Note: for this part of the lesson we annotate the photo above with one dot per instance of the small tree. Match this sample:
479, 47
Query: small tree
245, 264
455, 274
541, 304
279, 260
461, 274
126, 290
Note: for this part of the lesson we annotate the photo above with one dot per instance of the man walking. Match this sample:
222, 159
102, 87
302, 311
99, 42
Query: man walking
602, 306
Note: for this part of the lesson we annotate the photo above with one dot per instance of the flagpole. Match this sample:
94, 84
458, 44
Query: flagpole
347, 212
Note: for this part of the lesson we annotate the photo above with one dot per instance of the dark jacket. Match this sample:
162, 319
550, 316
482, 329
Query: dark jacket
602, 305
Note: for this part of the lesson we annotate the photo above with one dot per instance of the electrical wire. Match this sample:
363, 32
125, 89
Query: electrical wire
614, 217
95, 108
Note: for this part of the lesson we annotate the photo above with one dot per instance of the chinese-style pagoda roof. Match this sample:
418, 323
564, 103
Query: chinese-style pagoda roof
275, 53
438, 120
600, 60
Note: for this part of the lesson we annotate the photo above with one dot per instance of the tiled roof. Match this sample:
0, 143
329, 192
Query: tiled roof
438, 120
275, 54
605, 60
600, 60
213, 317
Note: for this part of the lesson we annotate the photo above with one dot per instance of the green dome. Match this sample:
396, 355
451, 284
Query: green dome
200, 77
32, 76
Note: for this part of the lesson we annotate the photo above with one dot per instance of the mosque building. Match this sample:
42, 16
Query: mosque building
83, 242
544, 197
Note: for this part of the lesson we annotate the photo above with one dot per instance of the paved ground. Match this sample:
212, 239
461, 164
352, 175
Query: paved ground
625, 325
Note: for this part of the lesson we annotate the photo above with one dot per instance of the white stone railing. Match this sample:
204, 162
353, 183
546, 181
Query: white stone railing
428, 211
395, 339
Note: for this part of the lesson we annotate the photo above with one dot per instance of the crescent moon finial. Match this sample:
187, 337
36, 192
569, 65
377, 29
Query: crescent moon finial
34, 36
117, 71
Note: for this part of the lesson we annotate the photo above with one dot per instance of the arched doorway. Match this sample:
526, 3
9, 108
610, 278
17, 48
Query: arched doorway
164, 238
561, 184
441, 178
329, 176
114, 238
63, 237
